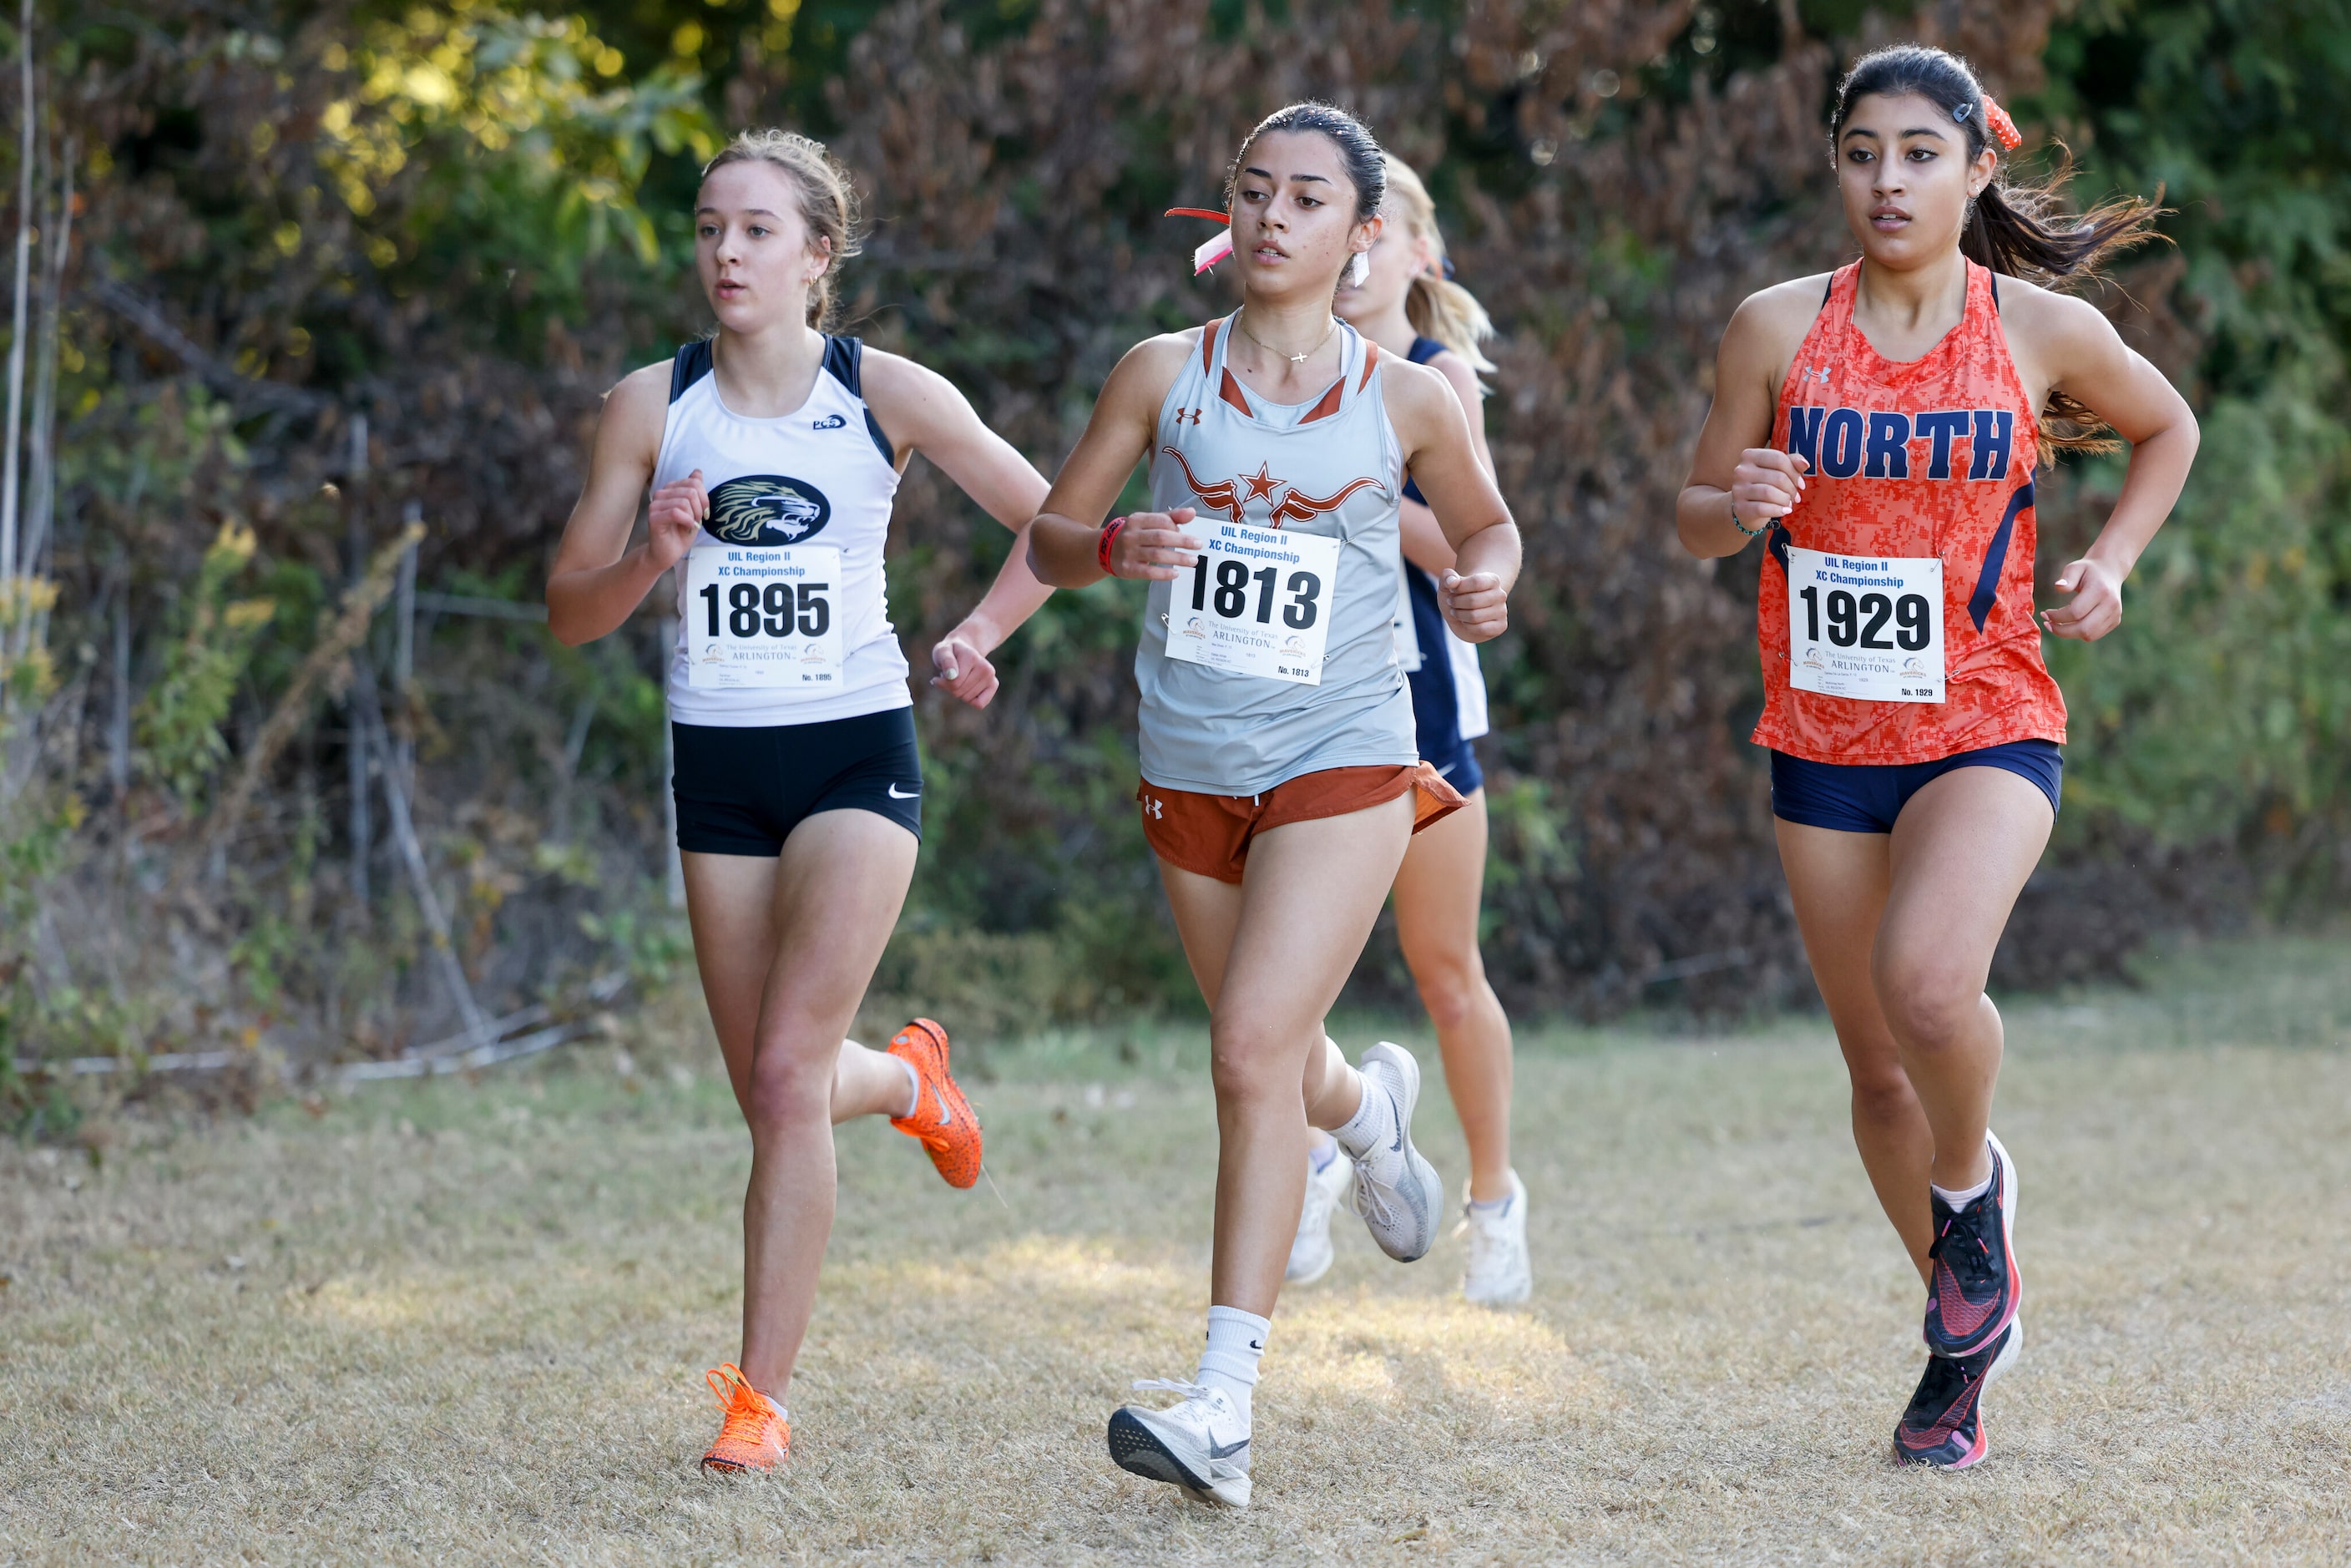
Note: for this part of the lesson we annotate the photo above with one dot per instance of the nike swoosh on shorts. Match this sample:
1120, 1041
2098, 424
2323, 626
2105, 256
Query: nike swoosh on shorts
897, 794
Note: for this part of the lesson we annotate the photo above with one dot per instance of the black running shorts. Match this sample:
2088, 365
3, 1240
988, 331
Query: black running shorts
742, 791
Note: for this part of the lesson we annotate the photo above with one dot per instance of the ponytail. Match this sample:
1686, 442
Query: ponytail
2014, 226
1437, 306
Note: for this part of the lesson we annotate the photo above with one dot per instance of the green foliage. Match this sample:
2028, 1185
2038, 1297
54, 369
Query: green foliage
511, 144
644, 936
2219, 711
179, 720
2227, 695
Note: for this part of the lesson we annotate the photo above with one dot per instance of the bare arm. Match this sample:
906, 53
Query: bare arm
1736, 464
921, 410
596, 581
2086, 359
1062, 540
1424, 544
1446, 463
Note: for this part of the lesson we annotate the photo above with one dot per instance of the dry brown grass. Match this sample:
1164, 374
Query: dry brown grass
447, 1322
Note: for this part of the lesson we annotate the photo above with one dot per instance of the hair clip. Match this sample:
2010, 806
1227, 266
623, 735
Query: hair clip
1446, 264
1208, 252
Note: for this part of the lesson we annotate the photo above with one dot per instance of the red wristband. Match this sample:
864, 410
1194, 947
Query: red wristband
1108, 535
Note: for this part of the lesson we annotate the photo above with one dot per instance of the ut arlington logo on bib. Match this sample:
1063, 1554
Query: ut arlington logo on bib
768, 509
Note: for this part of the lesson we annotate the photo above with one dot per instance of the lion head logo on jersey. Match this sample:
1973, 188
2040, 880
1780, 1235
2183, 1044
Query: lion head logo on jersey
766, 509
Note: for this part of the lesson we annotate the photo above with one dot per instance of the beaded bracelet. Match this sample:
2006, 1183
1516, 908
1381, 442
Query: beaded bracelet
1108, 535
1742, 528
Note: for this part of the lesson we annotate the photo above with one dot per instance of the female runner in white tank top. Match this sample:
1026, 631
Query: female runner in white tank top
773, 451
1409, 305
1280, 780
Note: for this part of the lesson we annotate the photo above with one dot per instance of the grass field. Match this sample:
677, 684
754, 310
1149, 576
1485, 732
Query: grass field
468, 1322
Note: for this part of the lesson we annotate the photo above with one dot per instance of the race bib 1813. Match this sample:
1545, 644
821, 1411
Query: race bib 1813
762, 617
1867, 628
1258, 603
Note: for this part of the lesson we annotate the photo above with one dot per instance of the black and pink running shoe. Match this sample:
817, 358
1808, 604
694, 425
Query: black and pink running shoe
1944, 1425
1975, 1288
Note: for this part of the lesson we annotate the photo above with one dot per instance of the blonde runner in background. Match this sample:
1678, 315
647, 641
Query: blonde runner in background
773, 451
1409, 304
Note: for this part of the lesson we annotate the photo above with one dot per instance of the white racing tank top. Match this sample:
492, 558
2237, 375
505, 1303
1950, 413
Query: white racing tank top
822, 475
1331, 468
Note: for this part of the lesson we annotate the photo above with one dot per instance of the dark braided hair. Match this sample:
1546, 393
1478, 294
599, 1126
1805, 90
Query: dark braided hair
1359, 150
2012, 227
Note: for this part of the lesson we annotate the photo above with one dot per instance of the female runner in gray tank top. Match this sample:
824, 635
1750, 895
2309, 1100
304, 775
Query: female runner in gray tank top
1280, 775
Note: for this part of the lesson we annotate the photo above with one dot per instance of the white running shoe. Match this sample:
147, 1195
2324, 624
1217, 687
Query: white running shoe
1201, 1445
1498, 1273
1310, 1253
1398, 1193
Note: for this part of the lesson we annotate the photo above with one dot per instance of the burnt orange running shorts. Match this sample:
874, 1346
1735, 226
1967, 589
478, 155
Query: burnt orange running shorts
1209, 835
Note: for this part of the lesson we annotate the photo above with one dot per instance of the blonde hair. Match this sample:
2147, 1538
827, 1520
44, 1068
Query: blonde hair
1437, 306
827, 201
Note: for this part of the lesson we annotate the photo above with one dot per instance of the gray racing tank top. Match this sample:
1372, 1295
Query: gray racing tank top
1331, 467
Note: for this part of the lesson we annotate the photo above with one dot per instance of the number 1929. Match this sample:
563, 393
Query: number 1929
1861, 623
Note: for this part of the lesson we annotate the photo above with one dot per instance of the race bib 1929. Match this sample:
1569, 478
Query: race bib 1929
1258, 602
762, 617
1870, 629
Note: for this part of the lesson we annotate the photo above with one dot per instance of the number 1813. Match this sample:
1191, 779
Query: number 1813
1232, 594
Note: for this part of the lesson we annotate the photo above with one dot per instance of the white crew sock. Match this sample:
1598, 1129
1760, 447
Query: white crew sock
913, 1087
1323, 1151
1235, 1341
1373, 1126
1959, 1200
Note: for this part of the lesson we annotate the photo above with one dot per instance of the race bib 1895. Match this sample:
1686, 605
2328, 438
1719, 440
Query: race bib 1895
762, 617
1258, 602
1864, 628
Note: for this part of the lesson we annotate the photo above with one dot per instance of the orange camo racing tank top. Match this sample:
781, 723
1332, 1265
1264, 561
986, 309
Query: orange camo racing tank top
1929, 458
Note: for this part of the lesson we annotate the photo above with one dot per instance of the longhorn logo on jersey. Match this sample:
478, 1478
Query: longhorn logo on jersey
767, 510
1231, 496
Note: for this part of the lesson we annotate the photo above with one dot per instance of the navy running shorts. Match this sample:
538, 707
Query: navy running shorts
1865, 797
1455, 764
742, 791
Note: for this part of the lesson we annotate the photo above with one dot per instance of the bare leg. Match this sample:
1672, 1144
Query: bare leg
1307, 902
730, 901
1900, 931
1838, 883
1437, 894
867, 1082
1960, 852
1207, 912
834, 896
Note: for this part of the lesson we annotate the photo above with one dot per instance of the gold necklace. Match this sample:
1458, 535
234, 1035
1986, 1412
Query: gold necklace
1294, 358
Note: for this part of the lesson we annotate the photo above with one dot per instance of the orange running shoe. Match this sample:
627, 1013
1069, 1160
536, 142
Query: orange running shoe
756, 1436
942, 1118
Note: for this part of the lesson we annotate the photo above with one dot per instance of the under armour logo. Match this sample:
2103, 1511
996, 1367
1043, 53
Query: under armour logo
1819, 373
1155, 809
1191, 413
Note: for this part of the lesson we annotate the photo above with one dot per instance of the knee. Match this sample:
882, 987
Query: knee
789, 1092
1248, 1069
1928, 1005
1883, 1098
1451, 989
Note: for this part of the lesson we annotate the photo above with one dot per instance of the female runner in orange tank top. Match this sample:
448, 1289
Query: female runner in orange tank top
1878, 428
